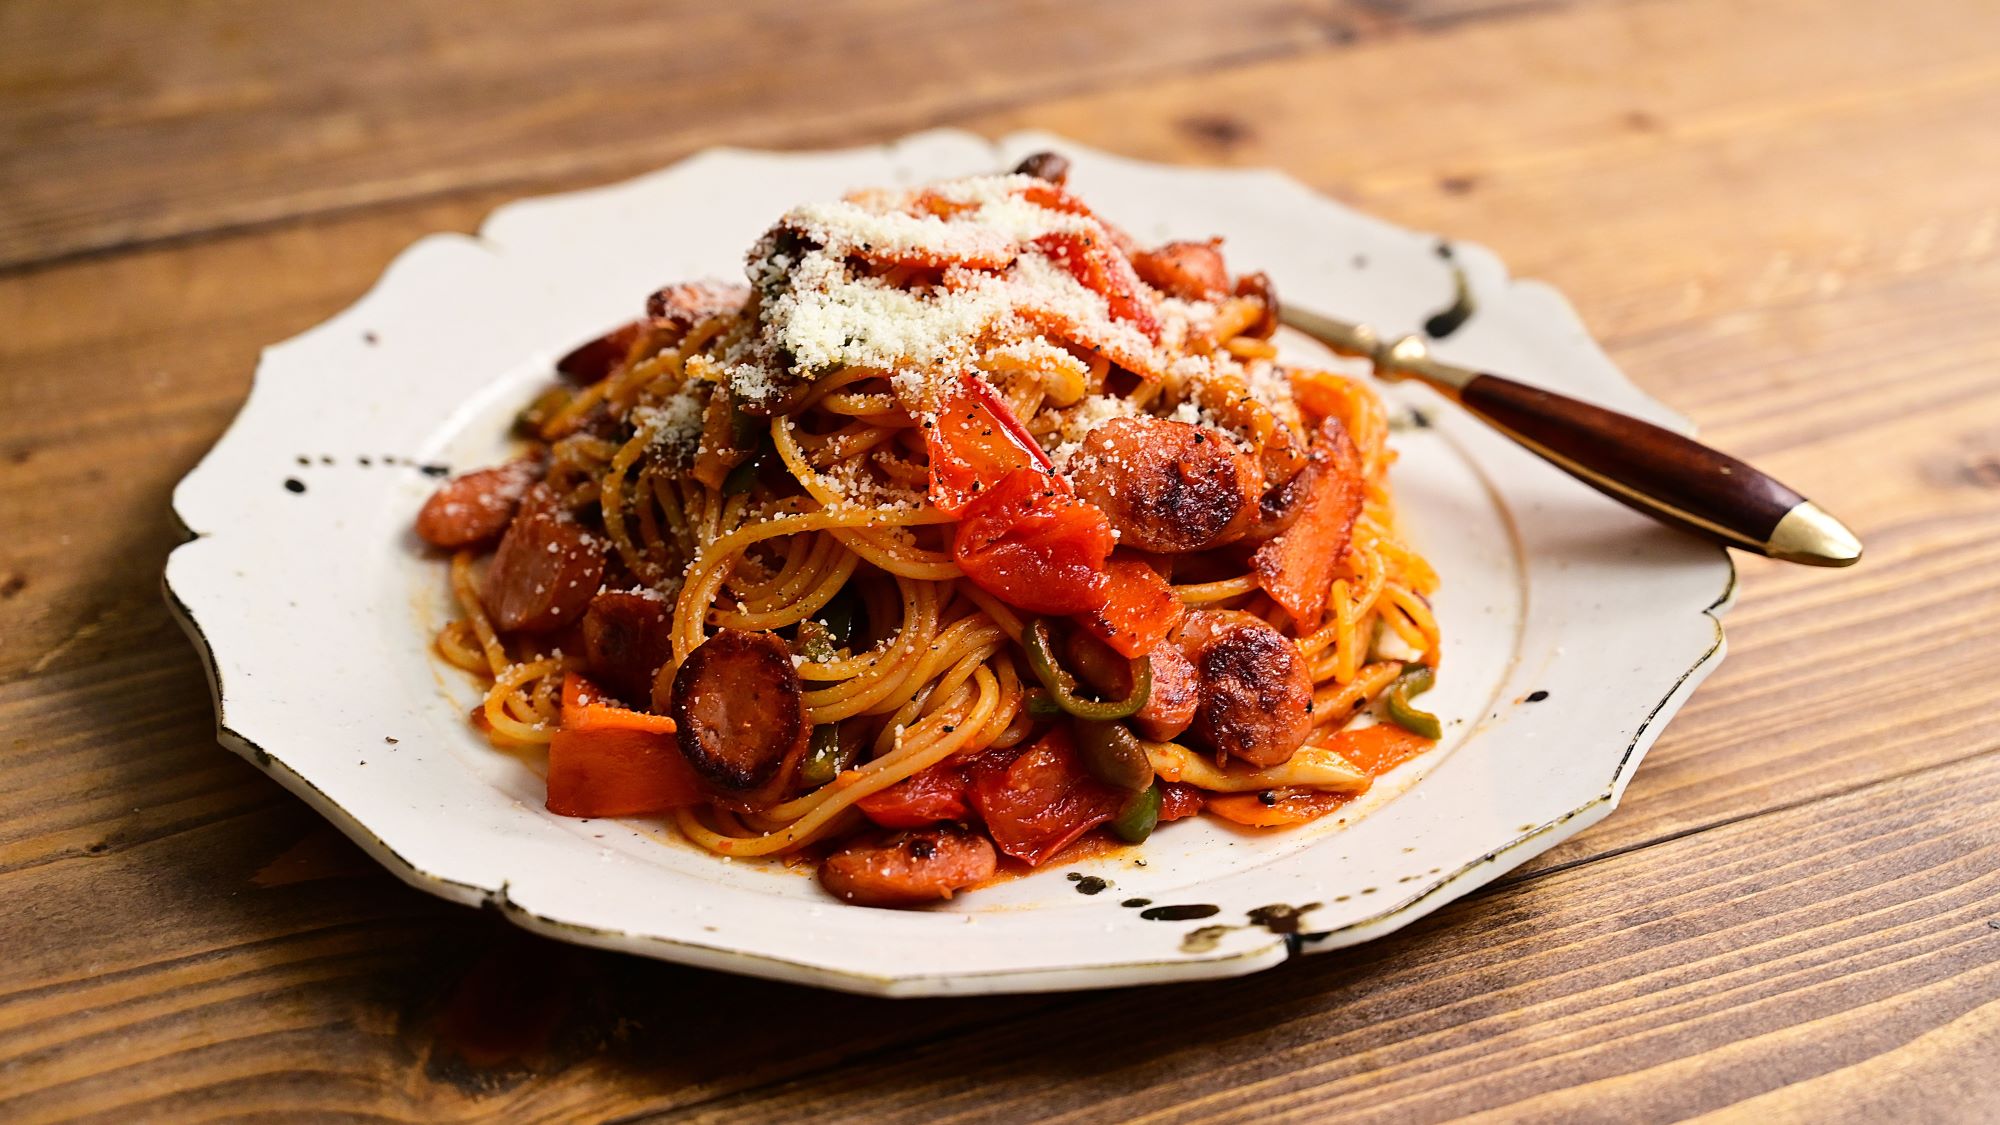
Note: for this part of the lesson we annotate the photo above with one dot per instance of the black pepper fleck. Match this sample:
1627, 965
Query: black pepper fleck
294, 484
1537, 696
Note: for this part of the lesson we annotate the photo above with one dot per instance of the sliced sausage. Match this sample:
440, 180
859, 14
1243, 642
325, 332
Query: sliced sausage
1259, 285
908, 869
474, 508
590, 362
546, 569
1255, 687
1278, 509
682, 306
1050, 166
1227, 399
1168, 487
740, 711
627, 638
1192, 271
1176, 695
1169, 706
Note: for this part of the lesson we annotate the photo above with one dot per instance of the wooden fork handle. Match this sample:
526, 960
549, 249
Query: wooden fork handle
1656, 471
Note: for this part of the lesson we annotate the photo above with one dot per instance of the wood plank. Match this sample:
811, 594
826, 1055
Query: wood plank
188, 330
192, 938
187, 928
1656, 162
134, 121
1857, 932
1669, 981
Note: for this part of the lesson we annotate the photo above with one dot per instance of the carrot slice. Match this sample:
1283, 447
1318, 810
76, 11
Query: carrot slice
618, 772
585, 707
609, 760
1294, 806
1141, 611
1297, 567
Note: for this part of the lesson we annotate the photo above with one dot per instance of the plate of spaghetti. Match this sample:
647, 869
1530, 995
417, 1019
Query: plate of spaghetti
928, 569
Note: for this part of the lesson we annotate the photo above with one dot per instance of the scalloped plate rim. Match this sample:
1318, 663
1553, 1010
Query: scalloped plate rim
1421, 901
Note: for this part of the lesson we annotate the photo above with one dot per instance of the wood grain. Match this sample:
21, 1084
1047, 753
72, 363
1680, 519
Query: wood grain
135, 121
1774, 213
1651, 986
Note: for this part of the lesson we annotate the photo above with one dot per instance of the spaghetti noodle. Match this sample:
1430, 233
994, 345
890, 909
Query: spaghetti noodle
965, 528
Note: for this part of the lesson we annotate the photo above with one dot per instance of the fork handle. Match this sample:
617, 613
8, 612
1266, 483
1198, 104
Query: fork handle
1670, 477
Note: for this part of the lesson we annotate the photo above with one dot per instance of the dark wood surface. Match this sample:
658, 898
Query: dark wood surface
1779, 216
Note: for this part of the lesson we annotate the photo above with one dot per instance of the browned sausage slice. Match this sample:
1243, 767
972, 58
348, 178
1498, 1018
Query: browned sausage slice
740, 711
546, 569
1192, 271
1281, 504
908, 869
1176, 695
1259, 285
1050, 166
688, 303
627, 638
1256, 691
1168, 487
474, 508
591, 361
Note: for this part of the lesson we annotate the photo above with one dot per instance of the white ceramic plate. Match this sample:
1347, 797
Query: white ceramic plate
315, 605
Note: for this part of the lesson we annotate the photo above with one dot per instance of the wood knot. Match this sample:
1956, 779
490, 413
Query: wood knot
1216, 130
1464, 184
1982, 471
14, 584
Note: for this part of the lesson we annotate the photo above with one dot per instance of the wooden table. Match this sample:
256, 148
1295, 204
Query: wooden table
1782, 216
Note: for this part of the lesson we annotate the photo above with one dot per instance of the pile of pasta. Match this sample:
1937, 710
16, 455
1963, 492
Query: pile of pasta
965, 529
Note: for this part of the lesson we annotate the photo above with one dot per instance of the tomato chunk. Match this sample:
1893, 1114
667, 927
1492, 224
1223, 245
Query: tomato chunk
1178, 800
1031, 544
1039, 803
938, 793
1094, 261
974, 441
